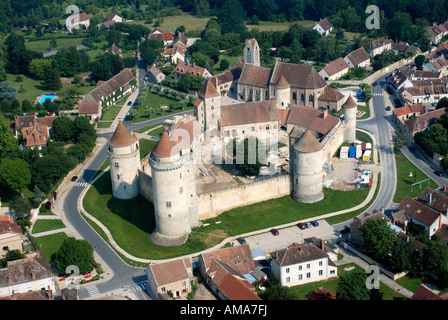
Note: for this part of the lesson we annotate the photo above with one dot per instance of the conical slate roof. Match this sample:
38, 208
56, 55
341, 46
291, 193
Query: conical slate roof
349, 103
122, 137
307, 143
282, 83
208, 90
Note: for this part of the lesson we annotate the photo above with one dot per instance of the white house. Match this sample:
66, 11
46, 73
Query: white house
25, 275
324, 27
358, 58
302, 263
335, 69
379, 45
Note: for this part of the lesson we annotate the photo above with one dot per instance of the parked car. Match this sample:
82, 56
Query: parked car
129, 103
119, 119
308, 225
439, 173
388, 108
315, 223
374, 84
301, 226
411, 148
241, 240
74, 178
345, 230
274, 232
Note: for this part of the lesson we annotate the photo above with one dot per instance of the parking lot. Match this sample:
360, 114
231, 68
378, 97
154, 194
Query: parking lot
269, 243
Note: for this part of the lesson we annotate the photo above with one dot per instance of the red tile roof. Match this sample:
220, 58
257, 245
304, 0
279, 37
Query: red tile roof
336, 66
249, 112
298, 76
418, 108
88, 107
237, 289
171, 271
253, 75
37, 135
331, 94
122, 137
311, 118
358, 56
7, 224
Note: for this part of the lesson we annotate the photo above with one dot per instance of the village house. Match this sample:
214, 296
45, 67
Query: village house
437, 64
357, 224
402, 114
226, 83
176, 53
423, 293
302, 263
399, 47
419, 122
226, 272
81, 20
111, 18
90, 109
155, 75
424, 91
187, 67
170, 279
358, 58
425, 210
26, 275
159, 35
10, 235
379, 45
335, 69
35, 136
324, 27
436, 32
115, 50
331, 99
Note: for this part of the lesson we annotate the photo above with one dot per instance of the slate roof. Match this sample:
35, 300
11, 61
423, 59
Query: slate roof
298, 76
297, 253
249, 112
358, 56
25, 270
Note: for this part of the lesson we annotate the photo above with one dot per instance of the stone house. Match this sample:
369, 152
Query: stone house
176, 53
379, 45
225, 271
437, 64
331, 99
10, 235
184, 67
90, 109
358, 58
335, 69
356, 226
299, 264
81, 20
25, 275
111, 18
155, 75
35, 136
170, 278
115, 50
403, 114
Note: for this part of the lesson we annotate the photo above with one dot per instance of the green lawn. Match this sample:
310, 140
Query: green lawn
136, 217
279, 26
404, 181
34, 88
44, 45
332, 284
152, 101
156, 132
147, 128
146, 146
42, 225
50, 244
111, 113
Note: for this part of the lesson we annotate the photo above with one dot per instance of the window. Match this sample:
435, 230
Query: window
184, 284
308, 275
163, 289
287, 270
300, 268
116, 165
300, 277
320, 263
321, 272
332, 272
308, 266
181, 190
288, 279
168, 204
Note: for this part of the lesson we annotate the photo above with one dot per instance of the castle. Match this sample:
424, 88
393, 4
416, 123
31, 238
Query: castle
270, 103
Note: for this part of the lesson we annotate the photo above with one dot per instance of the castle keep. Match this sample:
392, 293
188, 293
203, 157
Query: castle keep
269, 103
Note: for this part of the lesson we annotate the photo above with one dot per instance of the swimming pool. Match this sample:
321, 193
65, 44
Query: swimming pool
47, 96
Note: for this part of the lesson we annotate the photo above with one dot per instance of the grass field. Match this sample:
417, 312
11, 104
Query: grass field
404, 181
146, 146
34, 88
278, 26
44, 45
42, 225
50, 244
156, 132
136, 217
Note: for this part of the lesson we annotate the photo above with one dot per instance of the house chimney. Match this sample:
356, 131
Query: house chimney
440, 220
322, 244
325, 114
430, 198
393, 221
33, 275
404, 227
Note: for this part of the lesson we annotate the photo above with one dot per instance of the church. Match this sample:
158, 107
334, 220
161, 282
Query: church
270, 102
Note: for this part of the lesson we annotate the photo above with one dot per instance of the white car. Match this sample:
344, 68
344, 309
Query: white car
119, 119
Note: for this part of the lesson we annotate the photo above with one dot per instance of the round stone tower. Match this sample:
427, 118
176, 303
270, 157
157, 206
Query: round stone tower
171, 177
350, 110
282, 92
124, 158
306, 168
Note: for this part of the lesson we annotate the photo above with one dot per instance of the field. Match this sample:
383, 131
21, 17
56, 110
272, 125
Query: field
50, 244
404, 181
42, 225
44, 45
146, 146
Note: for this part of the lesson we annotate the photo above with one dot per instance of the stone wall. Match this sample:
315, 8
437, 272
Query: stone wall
212, 204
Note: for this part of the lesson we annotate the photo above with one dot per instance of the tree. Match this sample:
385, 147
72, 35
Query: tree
7, 92
250, 154
74, 252
52, 78
400, 139
8, 143
352, 286
63, 129
38, 197
20, 207
419, 60
231, 17
443, 103
401, 259
436, 256
15, 173
377, 239
224, 64
37, 67
149, 50
275, 291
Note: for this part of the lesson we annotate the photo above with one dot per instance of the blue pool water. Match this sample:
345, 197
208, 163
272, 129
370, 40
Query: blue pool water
47, 96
